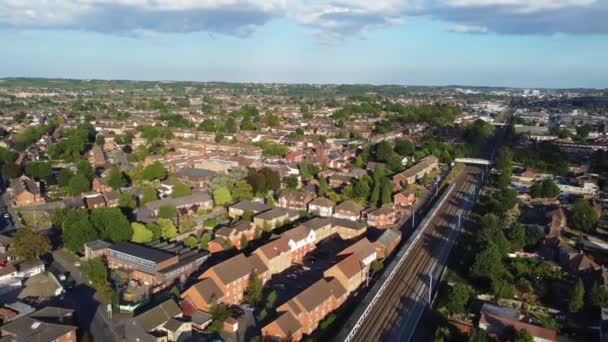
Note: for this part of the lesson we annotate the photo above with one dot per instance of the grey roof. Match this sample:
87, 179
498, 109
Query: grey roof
141, 251
498, 311
194, 198
159, 315
97, 244
42, 285
344, 223
388, 237
273, 213
24, 183
31, 329
256, 207
190, 172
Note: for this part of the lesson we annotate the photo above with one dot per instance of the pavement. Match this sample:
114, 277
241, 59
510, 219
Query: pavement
90, 311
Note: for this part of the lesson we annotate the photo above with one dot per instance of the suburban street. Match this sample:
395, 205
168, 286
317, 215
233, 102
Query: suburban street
92, 315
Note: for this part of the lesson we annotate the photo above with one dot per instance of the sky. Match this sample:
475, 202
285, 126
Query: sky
514, 43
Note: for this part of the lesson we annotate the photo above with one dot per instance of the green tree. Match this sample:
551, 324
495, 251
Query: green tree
167, 212
39, 170
244, 242
404, 147
63, 179
141, 234
253, 294
126, 201
442, 334
523, 336
271, 299
83, 167
154, 171
116, 178
583, 216
387, 191
221, 196
111, 224
10, 171
181, 190
599, 296
79, 184
458, 298
248, 215
375, 196
324, 189
204, 241
291, 182
384, 151
149, 194
155, 229
242, 190
30, 245
577, 298
77, 230
488, 264
167, 228
517, 236
191, 242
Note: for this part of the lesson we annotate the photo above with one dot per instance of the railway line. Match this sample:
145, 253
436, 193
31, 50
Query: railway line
395, 315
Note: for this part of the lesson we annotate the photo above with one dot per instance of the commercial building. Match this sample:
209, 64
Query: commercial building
157, 266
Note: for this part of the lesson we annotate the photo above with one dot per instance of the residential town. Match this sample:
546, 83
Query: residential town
166, 211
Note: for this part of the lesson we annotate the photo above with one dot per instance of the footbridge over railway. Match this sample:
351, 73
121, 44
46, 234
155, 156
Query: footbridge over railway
474, 161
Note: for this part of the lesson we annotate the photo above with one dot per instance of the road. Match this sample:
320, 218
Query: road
397, 312
90, 312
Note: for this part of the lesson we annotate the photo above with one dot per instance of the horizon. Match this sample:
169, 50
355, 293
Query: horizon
470, 86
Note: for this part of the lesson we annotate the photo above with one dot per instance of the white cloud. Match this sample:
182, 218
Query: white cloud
330, 19
462, 28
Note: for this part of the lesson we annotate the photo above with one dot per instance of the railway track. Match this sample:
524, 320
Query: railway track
397, 312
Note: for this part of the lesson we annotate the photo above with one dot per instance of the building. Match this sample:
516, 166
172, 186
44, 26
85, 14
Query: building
387, 242
297, 201
164, 321
238, 209
95, 249
274, 218
353, 268
305, 311
405, 198
236, 232
154, 266
500, 322
25, 192
185, 205
40, 288
49, 324
381, 218
276, 255
348, 210
322, 206
99, 185
225, 282
416, 172
94, 201
196, 178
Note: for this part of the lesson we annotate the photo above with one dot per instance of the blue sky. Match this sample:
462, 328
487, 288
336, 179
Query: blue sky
549, 43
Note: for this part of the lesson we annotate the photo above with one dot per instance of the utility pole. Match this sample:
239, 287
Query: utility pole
413, 218
430, 288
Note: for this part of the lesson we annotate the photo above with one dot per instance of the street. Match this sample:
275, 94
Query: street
91, 314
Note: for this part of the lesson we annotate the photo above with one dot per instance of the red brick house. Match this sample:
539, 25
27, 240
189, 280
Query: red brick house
405, 198
381, 218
